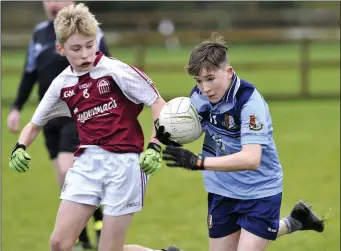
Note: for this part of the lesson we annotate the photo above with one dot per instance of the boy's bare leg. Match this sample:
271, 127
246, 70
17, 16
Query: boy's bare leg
114, 233
71, 219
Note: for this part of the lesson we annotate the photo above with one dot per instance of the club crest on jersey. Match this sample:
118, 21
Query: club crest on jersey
255, 125
229, 123
209, 221
103, 86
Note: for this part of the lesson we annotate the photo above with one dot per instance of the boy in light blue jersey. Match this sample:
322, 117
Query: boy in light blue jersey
241, 169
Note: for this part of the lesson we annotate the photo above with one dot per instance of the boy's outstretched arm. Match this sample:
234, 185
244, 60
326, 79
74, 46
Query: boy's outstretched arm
28, 134
19, 157
150, 159
49, 107
156, 109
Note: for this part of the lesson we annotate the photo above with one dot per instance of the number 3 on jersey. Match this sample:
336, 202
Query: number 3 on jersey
218, 140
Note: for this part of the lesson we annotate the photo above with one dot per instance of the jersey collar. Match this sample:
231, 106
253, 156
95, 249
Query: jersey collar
98, 57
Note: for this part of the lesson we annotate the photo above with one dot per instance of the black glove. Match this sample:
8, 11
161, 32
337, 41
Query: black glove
179, 157
163, 136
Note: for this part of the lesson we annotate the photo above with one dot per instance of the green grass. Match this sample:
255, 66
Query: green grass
307, 136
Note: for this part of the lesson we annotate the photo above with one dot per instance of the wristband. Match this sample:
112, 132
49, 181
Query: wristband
154, 146
200, 162
17, 146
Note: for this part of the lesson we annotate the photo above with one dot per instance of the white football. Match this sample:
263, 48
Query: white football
181, 120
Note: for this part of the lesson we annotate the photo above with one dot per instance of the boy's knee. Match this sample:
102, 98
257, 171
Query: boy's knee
59, 244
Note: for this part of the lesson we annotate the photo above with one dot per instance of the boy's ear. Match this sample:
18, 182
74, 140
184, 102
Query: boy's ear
60, 49
229, 71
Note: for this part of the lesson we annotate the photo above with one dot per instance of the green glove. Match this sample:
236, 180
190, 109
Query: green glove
150, 159
19, 159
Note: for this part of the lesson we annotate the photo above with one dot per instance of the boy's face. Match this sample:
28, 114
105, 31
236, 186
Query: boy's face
80, 51
214, 83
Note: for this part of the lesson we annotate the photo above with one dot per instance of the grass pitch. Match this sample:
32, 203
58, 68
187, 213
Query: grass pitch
307, 137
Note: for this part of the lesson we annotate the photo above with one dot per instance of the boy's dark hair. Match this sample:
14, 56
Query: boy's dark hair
209, 55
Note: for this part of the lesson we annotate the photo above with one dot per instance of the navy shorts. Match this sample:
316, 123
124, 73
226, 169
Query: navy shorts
257, 216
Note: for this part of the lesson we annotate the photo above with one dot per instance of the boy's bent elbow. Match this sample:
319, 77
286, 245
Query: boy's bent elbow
253, 161
254, 164
253, 155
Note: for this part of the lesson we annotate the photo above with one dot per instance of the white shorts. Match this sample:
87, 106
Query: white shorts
99, 177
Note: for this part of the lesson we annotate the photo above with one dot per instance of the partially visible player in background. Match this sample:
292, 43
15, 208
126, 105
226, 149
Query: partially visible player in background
43, 64
104, 97
241, 168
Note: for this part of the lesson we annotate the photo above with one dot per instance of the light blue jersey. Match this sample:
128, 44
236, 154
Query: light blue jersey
241, 117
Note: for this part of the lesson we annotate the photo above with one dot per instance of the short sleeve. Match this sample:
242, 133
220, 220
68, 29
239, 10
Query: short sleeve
51, 106
135, 84
254, 127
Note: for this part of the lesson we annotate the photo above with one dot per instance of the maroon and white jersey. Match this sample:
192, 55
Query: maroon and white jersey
104, 103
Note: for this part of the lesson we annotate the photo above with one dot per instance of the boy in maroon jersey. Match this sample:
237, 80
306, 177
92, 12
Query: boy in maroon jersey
104, 97
43, 63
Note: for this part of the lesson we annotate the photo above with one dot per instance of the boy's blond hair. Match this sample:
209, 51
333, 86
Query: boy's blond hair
75, 19
210, 55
